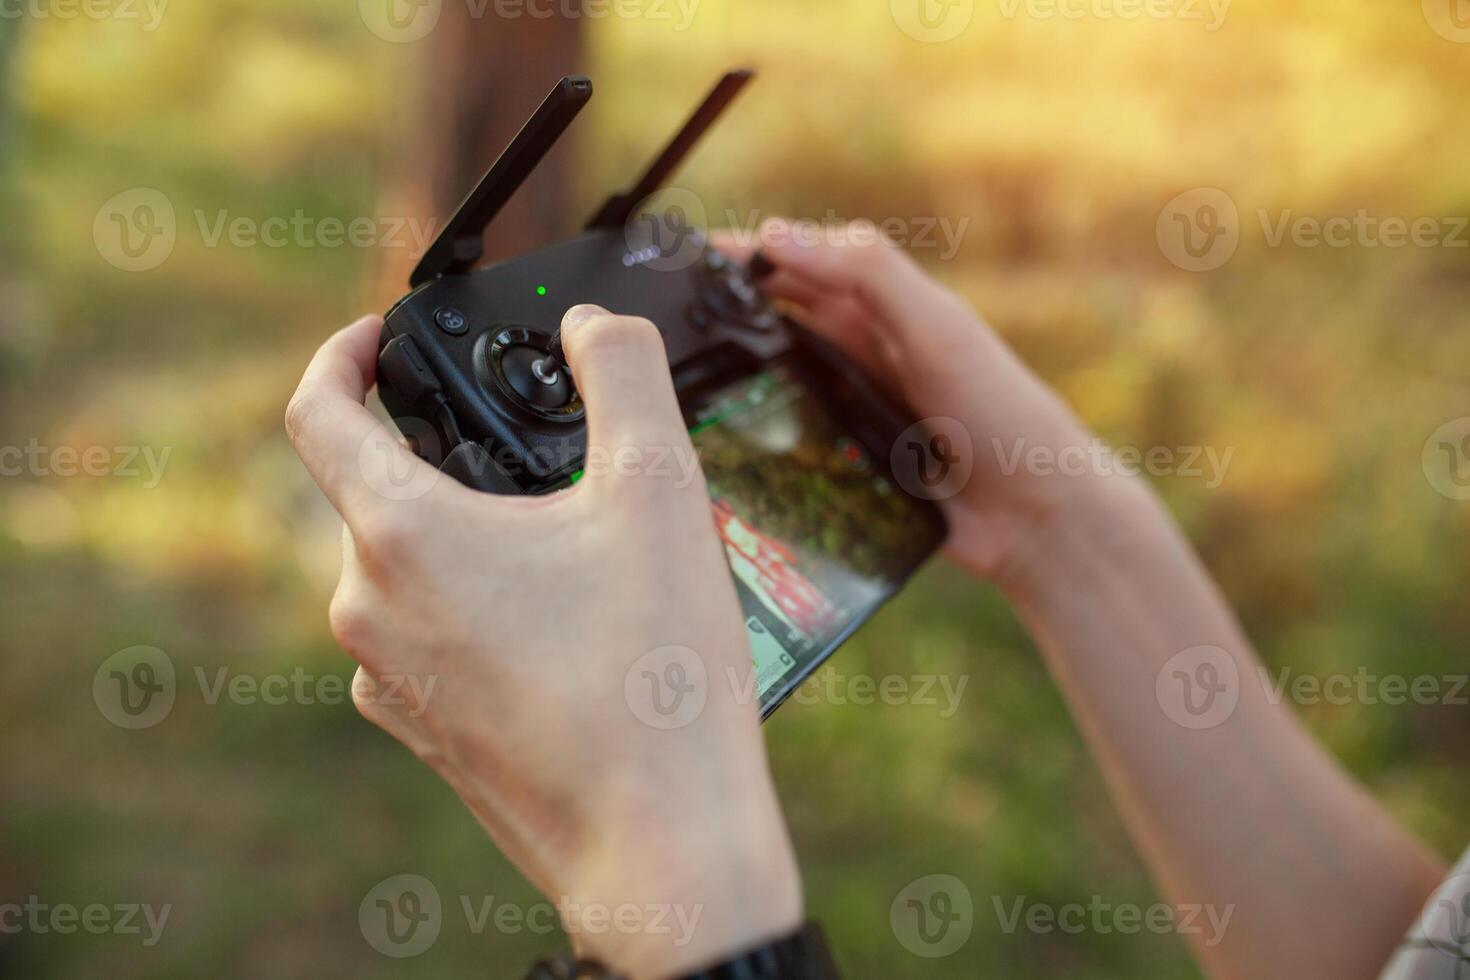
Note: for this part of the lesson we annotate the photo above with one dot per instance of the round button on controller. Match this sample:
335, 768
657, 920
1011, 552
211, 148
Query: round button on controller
451, 321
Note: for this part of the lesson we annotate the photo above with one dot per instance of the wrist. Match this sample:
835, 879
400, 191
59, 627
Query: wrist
690, 892
1088, 530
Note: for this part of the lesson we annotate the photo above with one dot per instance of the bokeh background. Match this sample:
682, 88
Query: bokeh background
1060, 140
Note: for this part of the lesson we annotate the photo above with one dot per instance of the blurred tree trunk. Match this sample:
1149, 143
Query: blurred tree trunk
479, 80
12, 223
9, 46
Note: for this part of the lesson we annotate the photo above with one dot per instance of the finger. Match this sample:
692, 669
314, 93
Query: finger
859, 260
737, 246
846, 324
830, 310
622, 373
334, 434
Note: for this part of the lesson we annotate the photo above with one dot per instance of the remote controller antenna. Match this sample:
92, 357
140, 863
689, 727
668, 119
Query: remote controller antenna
461, 244
619, 208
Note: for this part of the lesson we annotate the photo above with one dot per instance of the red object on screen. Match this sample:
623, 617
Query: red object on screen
768, 567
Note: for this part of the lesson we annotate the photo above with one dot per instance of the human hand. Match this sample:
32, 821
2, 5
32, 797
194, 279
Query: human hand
867, 297
519, 621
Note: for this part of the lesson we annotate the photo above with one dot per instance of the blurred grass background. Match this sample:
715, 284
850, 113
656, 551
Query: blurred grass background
1325, 369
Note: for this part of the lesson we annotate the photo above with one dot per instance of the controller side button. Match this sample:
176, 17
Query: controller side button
451, 321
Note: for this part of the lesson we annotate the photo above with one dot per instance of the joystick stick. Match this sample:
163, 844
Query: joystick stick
553, 364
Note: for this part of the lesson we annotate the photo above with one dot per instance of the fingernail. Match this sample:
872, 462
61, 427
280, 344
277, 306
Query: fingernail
579, 315
760, 267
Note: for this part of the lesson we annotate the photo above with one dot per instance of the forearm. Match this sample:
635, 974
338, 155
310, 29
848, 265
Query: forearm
1243, 809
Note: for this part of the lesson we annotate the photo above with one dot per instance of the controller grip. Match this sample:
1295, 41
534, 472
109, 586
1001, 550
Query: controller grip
471, 465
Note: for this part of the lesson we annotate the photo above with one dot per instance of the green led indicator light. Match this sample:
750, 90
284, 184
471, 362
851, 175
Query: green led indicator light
540, 290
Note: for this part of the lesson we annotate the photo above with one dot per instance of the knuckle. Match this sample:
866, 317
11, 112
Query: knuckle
365, 697
387, 543
298, 414
350, 624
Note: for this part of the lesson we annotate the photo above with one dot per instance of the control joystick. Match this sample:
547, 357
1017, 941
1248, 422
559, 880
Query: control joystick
536, 377
531, 370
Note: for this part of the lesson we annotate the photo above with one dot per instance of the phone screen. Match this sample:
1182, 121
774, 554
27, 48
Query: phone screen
816, 532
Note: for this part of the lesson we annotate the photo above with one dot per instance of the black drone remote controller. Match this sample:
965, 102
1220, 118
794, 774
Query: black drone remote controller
470, 365
808, 454
467, 367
